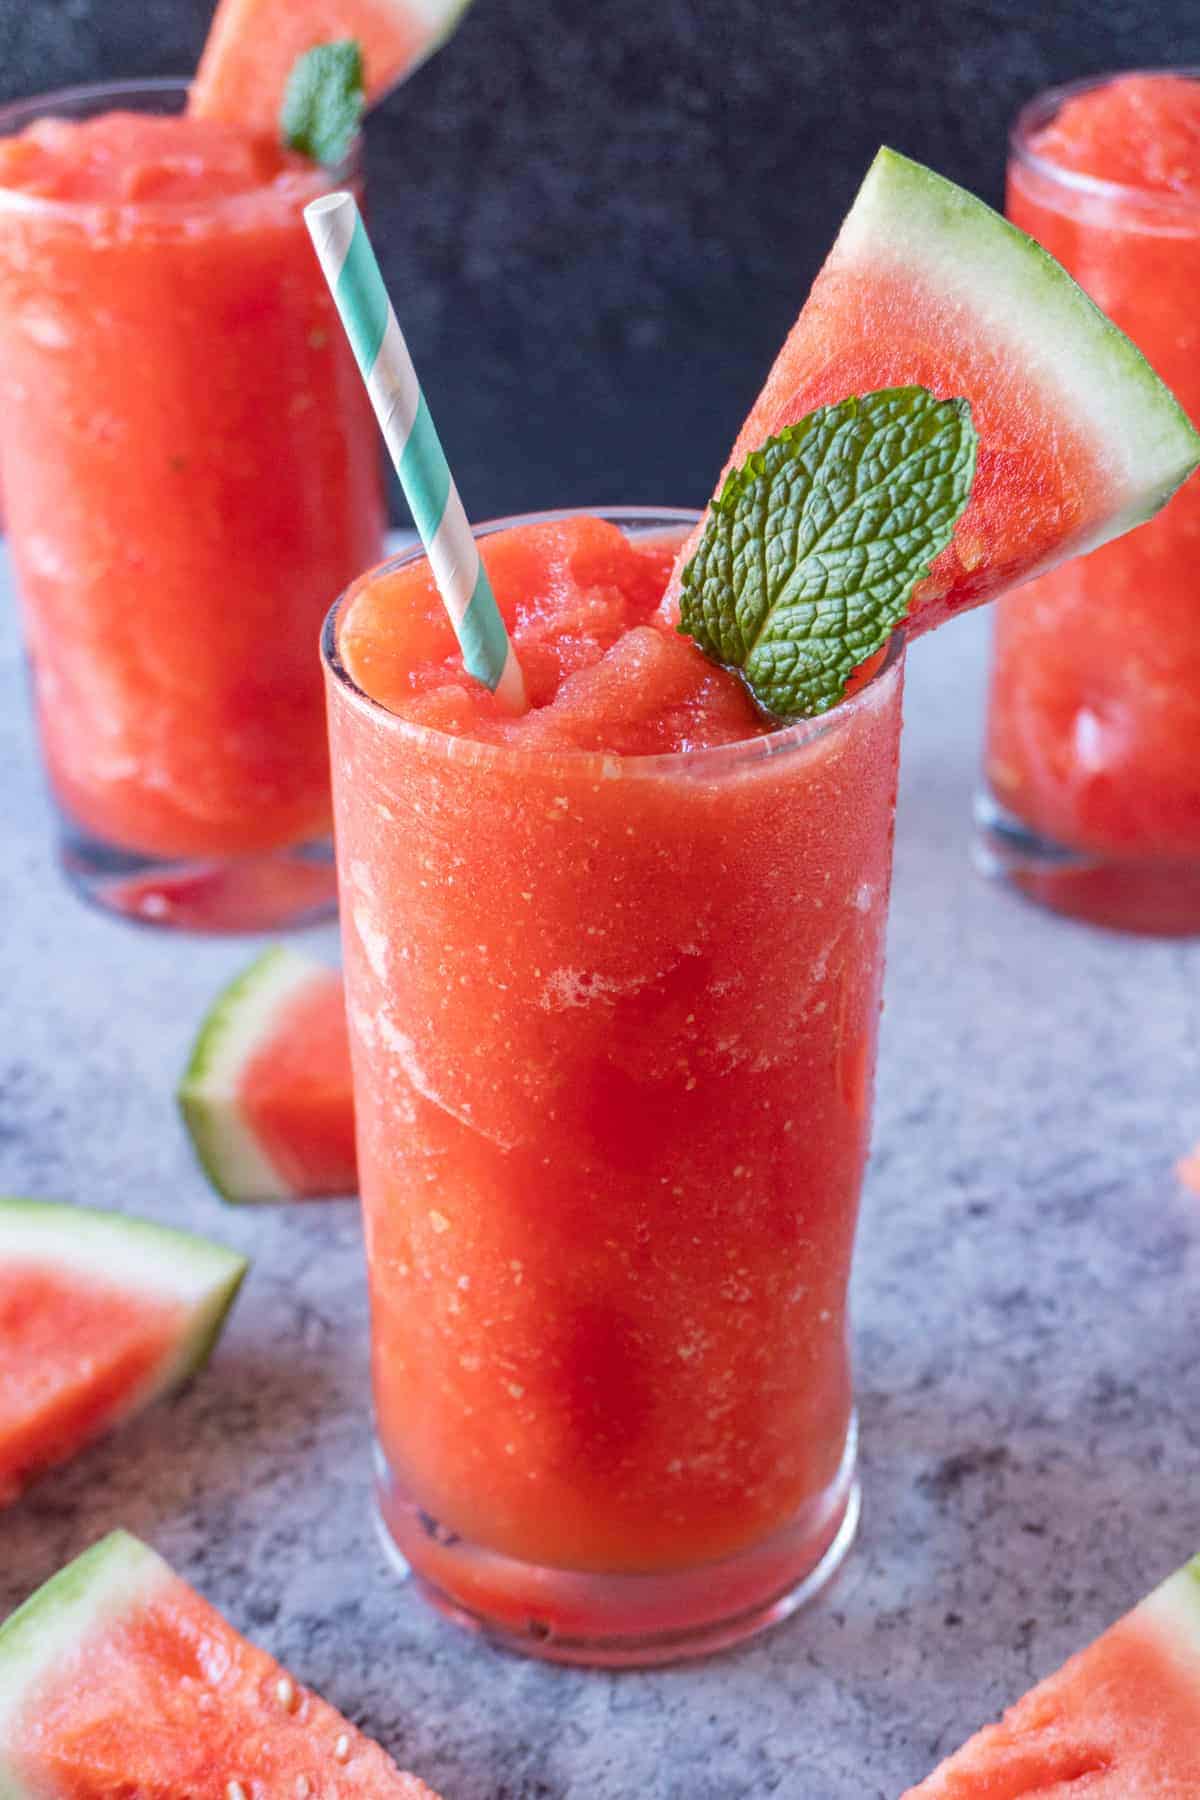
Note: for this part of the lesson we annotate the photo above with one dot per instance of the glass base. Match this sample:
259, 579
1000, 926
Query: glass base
1154, 899
622, 1621
275, 891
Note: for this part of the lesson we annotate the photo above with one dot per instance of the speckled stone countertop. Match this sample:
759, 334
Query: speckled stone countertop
1026, 1305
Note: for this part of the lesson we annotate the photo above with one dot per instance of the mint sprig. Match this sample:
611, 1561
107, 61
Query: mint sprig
813, 548
323, 101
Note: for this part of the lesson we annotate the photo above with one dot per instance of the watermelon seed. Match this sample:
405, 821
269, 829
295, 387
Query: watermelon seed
303, 1787
234, 1791
441, 1534
341, 1751
285, 1692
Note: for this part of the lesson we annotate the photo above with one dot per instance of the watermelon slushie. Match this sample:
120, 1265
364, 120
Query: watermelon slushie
613, 974
189, 473
1093, 757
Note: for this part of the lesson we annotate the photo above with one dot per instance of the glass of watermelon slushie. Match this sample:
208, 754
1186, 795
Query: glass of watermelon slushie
613, 975
1092, 802
189, 471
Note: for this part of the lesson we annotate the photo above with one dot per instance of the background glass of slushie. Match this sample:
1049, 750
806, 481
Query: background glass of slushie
189, 471
1093, 756
613, 1021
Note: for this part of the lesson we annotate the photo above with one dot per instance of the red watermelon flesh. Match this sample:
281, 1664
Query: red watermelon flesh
1119, 1721
118, 1679
68, 1357
297, 1095
1078, 439
253, 45
99, 1315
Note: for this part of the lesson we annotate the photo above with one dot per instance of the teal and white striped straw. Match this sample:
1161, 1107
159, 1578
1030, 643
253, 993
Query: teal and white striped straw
337, 231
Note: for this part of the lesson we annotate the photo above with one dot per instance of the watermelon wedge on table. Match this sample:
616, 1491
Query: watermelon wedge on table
253, 46
267, 1096
100, 1314
1079, 440
1120, 1721
117, 1679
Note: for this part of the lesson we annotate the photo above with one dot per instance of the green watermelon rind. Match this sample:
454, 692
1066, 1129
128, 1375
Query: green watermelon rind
100, 1586
240, 1019
964, 250
133, 1256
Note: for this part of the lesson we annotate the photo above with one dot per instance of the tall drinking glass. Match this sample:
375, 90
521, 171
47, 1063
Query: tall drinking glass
189, 471
613, 1023
1092, 799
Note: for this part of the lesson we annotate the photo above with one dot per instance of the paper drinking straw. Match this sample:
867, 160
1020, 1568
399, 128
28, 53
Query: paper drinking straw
350, 267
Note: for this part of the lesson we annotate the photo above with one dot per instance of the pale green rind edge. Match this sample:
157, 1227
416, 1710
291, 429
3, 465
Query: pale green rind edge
443, 17
197, 1347
138, 1255
1174, 1610
913, 211
242, 1015
440, 21
105, 1582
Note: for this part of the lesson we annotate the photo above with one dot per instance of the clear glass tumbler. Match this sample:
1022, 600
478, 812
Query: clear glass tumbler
1092, 795
189, 471
613, 1022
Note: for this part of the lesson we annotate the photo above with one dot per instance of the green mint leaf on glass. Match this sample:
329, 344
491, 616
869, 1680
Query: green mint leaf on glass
813, 548
323, 101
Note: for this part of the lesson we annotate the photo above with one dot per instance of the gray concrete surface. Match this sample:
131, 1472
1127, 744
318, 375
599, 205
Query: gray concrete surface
1026, 1319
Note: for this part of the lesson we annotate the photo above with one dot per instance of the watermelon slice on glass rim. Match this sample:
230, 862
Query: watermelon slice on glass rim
116, 1678
925, 285
253, 46
100, 1315
1119, 1721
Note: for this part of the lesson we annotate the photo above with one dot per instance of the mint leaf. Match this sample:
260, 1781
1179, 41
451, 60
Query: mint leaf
323, 101
813, 547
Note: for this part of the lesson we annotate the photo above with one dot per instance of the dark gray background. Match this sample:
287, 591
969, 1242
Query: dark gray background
599, 217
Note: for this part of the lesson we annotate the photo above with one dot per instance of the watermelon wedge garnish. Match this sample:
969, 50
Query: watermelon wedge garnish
116, 1678
253, 46
1120, 1721
100, 1314
1079, 440
267, 1096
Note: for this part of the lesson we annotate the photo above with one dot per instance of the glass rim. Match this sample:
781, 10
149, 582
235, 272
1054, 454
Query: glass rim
604, 764
66, 102
1043, 106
